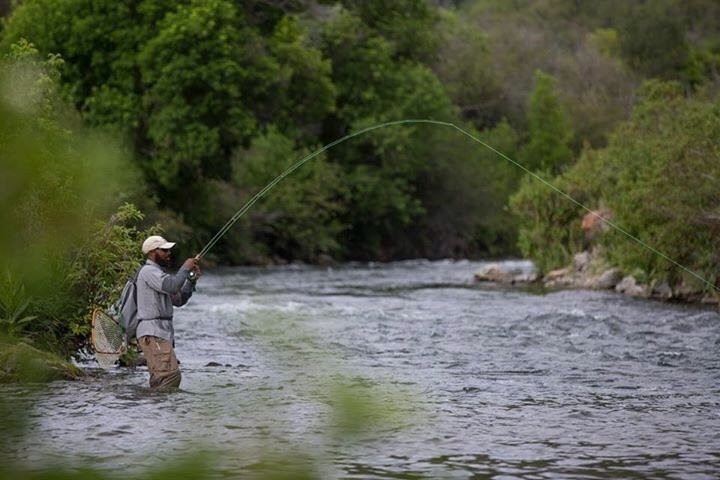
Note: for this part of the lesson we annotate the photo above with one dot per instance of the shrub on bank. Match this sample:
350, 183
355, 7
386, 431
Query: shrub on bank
660, 177
667, 188
61, 183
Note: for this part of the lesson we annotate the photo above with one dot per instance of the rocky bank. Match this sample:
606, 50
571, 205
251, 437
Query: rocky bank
589, 270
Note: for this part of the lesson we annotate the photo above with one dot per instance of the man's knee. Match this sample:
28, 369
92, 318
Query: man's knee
167, 380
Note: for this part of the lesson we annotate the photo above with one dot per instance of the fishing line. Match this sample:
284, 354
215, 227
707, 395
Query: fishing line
537, 177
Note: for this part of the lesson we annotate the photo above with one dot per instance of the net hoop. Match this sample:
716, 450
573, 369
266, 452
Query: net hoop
107, 337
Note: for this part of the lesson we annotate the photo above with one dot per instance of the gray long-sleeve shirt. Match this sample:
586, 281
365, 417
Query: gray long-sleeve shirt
157, 292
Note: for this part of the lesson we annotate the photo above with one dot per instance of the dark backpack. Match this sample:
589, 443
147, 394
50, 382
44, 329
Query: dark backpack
125, 309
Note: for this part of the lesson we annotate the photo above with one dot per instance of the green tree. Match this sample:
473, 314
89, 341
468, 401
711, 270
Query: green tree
464, 192
465, 68
652, 39
549, 129
187, 83
300, 218
303, 93
409, 26
192, 83
381, 168
667, 159
193, 70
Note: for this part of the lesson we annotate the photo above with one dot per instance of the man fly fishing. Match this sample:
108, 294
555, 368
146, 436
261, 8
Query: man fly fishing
157, 292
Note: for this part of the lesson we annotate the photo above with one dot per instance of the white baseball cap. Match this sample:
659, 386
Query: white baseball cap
155, 241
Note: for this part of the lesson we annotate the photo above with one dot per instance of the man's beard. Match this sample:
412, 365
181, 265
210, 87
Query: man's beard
164, 262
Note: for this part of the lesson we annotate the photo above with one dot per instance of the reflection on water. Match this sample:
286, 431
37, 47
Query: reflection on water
405, 370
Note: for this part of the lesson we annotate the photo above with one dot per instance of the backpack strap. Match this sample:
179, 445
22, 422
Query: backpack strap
137, 272
134, 292
135, 277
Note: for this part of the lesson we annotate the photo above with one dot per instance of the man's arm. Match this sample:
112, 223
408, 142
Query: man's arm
182, 297
188, 287
173, 284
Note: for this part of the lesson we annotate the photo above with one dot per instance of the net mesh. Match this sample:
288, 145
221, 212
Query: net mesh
107, 338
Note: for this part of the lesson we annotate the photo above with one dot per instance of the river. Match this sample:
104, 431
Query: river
400, 370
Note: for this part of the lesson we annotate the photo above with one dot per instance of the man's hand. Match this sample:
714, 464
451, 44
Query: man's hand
190, 263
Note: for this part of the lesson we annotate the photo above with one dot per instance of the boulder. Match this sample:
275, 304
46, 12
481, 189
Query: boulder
581, 261
557, 274
662, 290
491, 273
325, 260
499, 273
629, 286
561, 277
607, 280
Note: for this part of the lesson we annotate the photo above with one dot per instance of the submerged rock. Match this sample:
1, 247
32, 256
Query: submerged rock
502, 273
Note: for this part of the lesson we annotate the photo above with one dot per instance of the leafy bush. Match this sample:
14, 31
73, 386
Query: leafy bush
548, 224
667, 188
103, 263
550, 131
659, 178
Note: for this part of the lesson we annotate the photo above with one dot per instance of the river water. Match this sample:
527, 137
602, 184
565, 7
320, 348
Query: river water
401, 370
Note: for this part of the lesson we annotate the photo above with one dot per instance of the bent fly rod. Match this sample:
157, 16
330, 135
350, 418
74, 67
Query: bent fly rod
228, 225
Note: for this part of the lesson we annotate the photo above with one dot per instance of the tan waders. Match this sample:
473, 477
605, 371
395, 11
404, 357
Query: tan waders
161, 362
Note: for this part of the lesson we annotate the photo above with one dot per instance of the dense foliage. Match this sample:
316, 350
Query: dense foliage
666, 188
660, 178
208, 93
60, 254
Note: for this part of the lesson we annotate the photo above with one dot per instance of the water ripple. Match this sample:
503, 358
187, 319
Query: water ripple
450, 379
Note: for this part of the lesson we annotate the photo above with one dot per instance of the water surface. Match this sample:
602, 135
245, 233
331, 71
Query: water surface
445, 379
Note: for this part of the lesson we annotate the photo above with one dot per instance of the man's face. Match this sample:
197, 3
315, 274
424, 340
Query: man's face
162, 256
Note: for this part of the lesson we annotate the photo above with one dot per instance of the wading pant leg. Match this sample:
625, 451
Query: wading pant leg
161, 361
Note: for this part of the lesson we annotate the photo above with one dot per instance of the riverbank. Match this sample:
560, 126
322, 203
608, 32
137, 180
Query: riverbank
23, 363
590, 271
